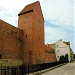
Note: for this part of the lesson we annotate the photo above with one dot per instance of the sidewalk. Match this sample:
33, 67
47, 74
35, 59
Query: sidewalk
45, 70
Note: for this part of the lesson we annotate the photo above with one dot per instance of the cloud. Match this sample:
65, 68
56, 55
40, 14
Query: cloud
62, 12
10, 17
58, 15
53, 33
15, 4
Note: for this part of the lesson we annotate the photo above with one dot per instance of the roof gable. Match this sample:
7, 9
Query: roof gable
61, 43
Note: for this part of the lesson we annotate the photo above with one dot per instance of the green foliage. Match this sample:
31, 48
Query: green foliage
66, 57
62, 58
74, 56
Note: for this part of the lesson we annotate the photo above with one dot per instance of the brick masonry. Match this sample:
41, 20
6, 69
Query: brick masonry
50, 53
27, 41
10, 41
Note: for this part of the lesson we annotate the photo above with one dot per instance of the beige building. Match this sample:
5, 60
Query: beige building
63, 48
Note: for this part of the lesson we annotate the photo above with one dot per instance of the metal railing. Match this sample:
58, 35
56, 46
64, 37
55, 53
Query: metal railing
22, 70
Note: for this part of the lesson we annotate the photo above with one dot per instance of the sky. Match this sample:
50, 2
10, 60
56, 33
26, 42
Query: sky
58, 16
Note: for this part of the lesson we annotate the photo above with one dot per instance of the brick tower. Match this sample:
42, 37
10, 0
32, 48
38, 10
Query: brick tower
31, 21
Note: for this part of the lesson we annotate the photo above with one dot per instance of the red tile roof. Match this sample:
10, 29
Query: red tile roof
48, 45
67, 43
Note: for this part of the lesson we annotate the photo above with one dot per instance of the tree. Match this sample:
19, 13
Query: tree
62, 58
74, 56
66, 57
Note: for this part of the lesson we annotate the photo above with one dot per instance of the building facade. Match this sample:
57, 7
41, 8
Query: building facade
62, 48
50, 53
31, 22
10, 43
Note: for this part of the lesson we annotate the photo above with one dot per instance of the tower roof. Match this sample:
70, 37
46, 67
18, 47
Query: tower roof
29, 8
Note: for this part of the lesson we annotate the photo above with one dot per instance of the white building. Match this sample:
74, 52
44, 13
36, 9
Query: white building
62, 48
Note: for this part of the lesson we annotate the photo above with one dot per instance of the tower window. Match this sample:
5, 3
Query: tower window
26, 35
0, 56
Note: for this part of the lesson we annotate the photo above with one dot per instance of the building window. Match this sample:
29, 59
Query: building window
0, 56
57, 50
57, 45
58, 56
26, 35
